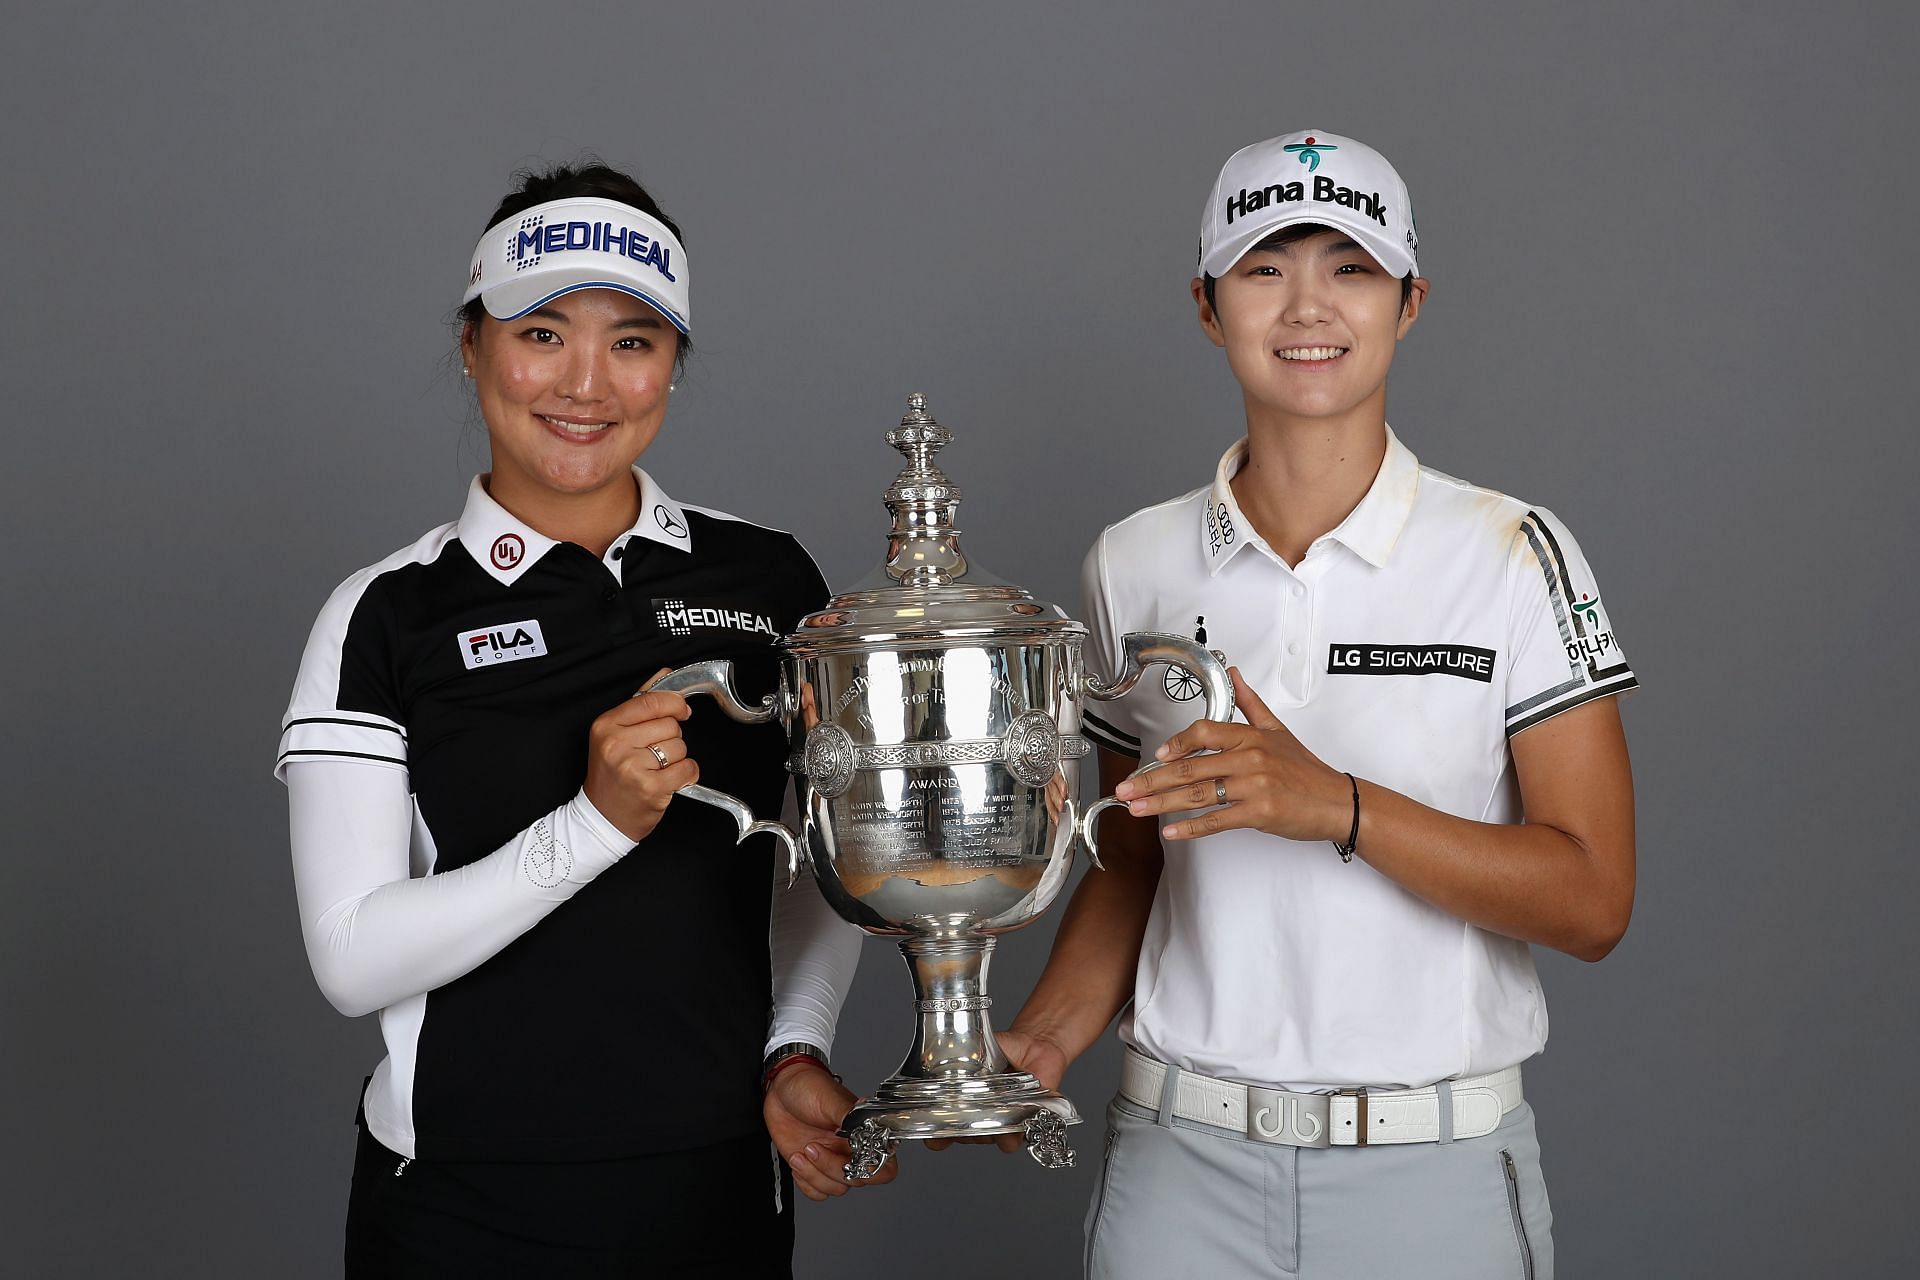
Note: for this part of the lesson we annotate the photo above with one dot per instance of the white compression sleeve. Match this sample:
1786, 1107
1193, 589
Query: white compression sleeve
814, 955
377, 932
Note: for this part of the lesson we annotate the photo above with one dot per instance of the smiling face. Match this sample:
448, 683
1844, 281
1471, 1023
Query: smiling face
572, 393
1310, 328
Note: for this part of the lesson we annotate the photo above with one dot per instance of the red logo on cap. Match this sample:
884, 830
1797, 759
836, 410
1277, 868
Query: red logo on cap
507, 550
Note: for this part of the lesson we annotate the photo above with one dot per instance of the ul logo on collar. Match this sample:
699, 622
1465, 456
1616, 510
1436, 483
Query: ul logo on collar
668, 521
508, 551
1179, 683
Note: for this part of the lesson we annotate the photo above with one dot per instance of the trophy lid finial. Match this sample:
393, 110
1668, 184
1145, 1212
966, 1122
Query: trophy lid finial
926, 583
917, 428
924, 546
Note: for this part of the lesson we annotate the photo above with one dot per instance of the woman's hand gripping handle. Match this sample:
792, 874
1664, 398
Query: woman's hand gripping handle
1139, 651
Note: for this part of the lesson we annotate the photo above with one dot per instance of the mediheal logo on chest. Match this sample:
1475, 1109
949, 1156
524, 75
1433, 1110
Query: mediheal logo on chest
508, 642
684, 617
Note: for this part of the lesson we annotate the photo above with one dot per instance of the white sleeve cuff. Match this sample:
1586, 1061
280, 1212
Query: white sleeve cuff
814, 955
593, 825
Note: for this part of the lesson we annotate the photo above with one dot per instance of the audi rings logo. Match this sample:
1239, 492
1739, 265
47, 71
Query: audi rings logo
668, 521
508, 551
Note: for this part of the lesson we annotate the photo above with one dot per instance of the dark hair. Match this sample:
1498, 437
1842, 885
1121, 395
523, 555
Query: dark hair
587, 176
1294, 235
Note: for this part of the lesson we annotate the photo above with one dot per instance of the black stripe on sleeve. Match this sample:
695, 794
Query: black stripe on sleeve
1548, 713
1110, 744
1561, 609
345, 755
357, 724
1110, 730
1538, 698
1594, 672
1560, 565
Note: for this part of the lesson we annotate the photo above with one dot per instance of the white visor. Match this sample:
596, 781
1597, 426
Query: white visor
540, 253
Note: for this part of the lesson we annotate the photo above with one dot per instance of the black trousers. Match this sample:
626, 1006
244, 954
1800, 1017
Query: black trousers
705, 1212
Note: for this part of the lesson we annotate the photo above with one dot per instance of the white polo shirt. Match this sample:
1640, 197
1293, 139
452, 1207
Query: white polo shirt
1407, 647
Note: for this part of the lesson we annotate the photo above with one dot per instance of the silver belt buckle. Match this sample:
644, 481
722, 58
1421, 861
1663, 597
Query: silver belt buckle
1288, 1119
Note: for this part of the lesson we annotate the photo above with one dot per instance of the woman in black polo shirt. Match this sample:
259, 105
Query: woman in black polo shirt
572, 973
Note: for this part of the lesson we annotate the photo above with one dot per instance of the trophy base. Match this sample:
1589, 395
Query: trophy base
958, 1107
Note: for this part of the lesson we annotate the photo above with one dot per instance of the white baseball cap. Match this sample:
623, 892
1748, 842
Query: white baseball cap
531, 258
1310, 176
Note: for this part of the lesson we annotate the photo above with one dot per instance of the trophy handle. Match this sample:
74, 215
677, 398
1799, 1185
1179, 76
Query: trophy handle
715, 677
1139, 651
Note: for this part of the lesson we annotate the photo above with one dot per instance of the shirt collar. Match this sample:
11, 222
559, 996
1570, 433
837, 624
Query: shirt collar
1370, 530
506, 547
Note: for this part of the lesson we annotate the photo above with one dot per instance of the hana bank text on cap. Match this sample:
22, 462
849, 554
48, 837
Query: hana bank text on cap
1310, 176
531, 258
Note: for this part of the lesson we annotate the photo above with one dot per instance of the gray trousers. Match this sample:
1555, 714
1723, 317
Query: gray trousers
1182, 1199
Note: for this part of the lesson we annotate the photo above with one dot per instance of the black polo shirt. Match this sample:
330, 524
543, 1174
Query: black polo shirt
632, 1018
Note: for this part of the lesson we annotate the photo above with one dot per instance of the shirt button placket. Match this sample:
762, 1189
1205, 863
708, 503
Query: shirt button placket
614, 611
1287, 619
1293, 662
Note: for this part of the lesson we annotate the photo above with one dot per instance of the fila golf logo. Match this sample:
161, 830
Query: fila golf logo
1308, 152
668, 522
536, 237
1598, 643
1325, 190
508, 551
1179, 683
680, 617
1463, 660
509, 642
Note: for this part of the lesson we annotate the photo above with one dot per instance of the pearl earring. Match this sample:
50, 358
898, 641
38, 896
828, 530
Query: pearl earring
465, 372
673, 386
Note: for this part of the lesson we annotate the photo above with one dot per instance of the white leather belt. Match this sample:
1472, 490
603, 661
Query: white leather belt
1350, 1118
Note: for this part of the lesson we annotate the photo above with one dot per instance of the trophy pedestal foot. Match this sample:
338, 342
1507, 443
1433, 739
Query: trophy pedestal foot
1047, 1141
906, 1109
872, 1148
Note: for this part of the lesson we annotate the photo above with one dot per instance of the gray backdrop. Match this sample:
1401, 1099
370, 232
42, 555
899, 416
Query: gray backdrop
1670, 248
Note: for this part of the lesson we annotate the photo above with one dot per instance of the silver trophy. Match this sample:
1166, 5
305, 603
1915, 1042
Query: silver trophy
935, 717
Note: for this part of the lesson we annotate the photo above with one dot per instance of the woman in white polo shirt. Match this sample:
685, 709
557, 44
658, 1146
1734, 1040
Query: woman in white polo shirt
1325, 943
572, 973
